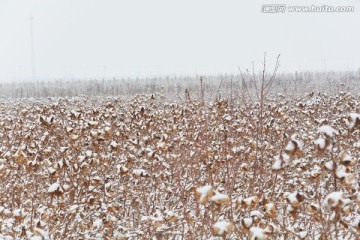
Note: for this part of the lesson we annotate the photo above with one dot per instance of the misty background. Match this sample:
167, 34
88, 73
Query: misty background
93, 39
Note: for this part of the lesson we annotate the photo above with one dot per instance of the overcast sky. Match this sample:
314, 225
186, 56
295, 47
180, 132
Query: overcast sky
115, 38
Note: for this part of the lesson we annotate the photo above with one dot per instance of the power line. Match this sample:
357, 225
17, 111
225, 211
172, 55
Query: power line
32, 49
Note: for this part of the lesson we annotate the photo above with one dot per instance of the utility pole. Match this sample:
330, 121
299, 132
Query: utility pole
32, 49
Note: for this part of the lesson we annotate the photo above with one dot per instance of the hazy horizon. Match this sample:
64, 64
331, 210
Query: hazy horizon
106, 39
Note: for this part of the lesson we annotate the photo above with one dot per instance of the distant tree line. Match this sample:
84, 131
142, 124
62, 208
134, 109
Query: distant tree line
176, 86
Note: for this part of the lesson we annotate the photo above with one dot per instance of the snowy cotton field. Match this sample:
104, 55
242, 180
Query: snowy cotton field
149, 168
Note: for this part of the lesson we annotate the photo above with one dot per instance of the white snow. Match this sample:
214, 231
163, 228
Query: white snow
63, 149
113, 144
51, 170
73, 208
248, 201
351, 121
139, 172
38, 232
93, 123
220, 198
227, 117
320, 143
328, 131
244, 165
292, 198
89, 153
316, 171
329, 165
121, 236
350, 179
357, 144
257, 233
161, 145
35, 238
204, 192
345, 157
153, 219
256, 213
293, 144
356, 222
74, 137
269, 207
285, 157
54, 187
170, 214
215, 238
97, 178
277, 165
98, 223
290, 147
334, 198
17, 213
341, 171
248, 222
222, 227
303, 234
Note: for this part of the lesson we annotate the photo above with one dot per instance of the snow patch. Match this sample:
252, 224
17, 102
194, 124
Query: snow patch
328, 131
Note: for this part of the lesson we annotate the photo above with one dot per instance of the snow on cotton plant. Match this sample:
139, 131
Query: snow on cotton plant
257, 233
294, 146
55, 188
39, 233
294, 199
270, 210
246, 224
203, 194
344, 175
134, 173
222, 228
328, 131
279, 161
335, 199
353, 120
321, 145
346, 159
219, 198
249, 202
